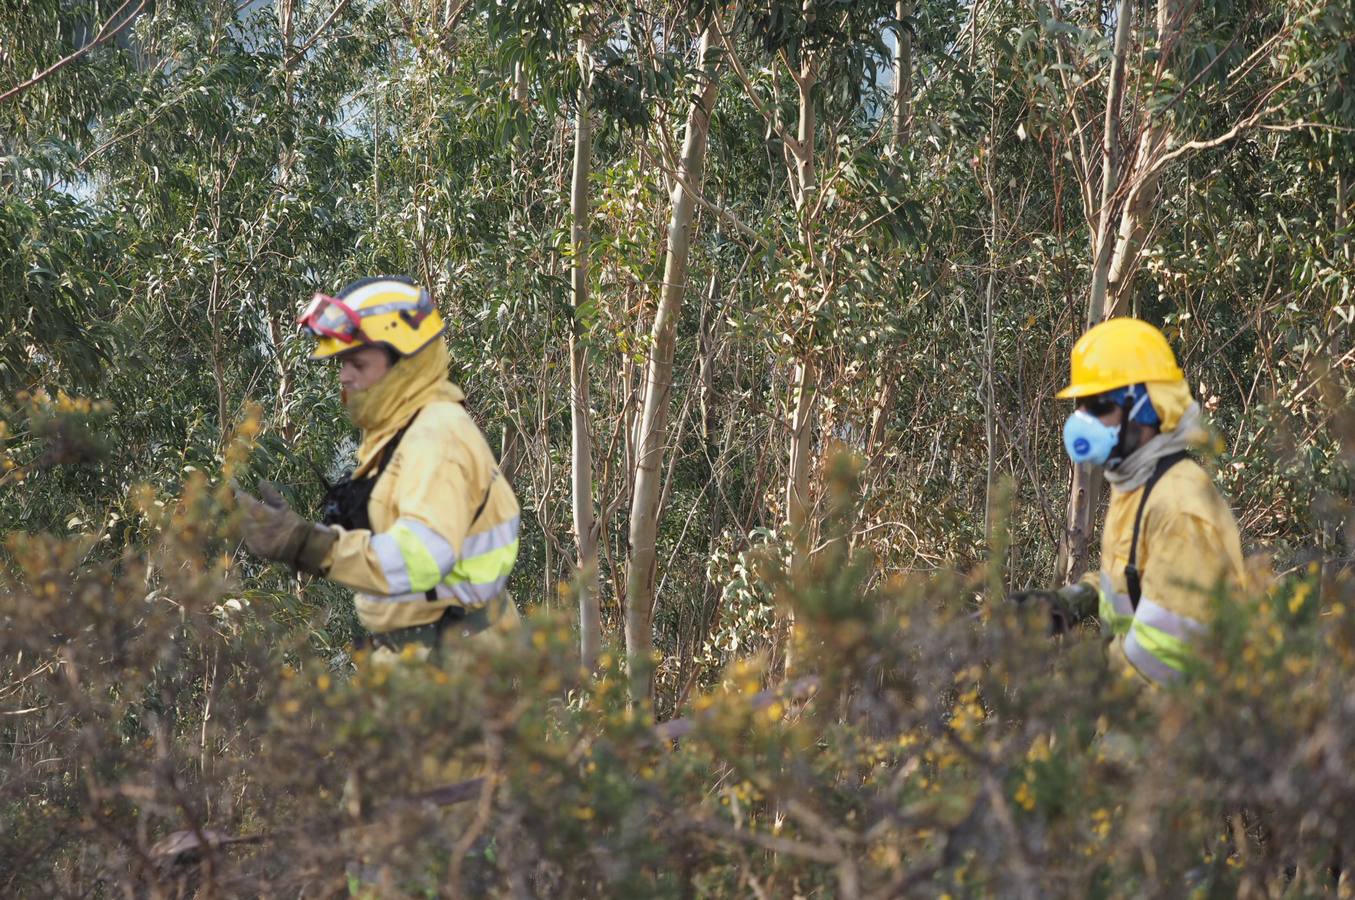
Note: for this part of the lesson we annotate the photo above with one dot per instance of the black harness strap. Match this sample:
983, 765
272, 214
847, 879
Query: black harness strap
388, 450
1132, 575
484, 501
346, 504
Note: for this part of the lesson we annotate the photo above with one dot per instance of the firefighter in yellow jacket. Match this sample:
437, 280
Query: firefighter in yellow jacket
1170, 538
426, 529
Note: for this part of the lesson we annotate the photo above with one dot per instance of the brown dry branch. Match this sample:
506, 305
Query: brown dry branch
186, 846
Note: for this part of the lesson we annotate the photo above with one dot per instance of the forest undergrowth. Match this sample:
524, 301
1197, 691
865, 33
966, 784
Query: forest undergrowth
933, 741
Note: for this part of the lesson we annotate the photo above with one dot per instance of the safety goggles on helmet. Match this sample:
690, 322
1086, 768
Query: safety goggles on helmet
327, 316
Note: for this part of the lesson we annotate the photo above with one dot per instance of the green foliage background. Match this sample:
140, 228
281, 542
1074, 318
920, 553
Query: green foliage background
169, 199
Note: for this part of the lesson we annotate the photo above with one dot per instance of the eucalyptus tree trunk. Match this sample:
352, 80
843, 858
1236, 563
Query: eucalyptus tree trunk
1085, 481
520, 95
805, 384
903, 73
805, 395
903, 93
509, 443
276, 329
581, 442
1111, 160
1342, 239
1129, 188
1141, 192
653, 425
1128, 197
989, 339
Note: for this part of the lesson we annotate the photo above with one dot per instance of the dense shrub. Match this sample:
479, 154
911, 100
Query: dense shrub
942, 746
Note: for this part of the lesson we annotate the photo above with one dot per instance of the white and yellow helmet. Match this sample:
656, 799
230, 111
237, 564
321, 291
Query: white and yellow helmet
383, 311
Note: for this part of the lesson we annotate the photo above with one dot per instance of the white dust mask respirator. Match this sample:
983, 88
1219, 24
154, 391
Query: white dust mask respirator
1088, 440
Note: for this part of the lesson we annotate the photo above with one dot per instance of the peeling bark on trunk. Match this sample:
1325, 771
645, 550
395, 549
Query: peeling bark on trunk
581, 443
286, 425
520, 95
801, 445
1134, 221
653, 424
875, 441
508, 452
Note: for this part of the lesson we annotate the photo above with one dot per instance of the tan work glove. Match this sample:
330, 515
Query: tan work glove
272, 530
1067, 606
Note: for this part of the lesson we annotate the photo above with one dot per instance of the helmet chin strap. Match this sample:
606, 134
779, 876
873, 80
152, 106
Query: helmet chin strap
1129, 439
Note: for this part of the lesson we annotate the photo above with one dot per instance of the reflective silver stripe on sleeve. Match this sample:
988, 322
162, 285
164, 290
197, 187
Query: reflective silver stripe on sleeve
1118, 601
392, 563
491, 539
437, 546
1148, 665
1163, 619
465, 593
471, 596
475, 595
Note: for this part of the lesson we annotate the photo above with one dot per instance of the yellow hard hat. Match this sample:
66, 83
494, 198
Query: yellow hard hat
1117, 353
385, 311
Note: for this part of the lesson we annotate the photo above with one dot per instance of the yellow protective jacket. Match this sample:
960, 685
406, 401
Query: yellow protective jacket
1188, 545
427, 549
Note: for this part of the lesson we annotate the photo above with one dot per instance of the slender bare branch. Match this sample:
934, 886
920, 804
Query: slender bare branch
719, 212
771, 842
739, 72
105, 34
310, 41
